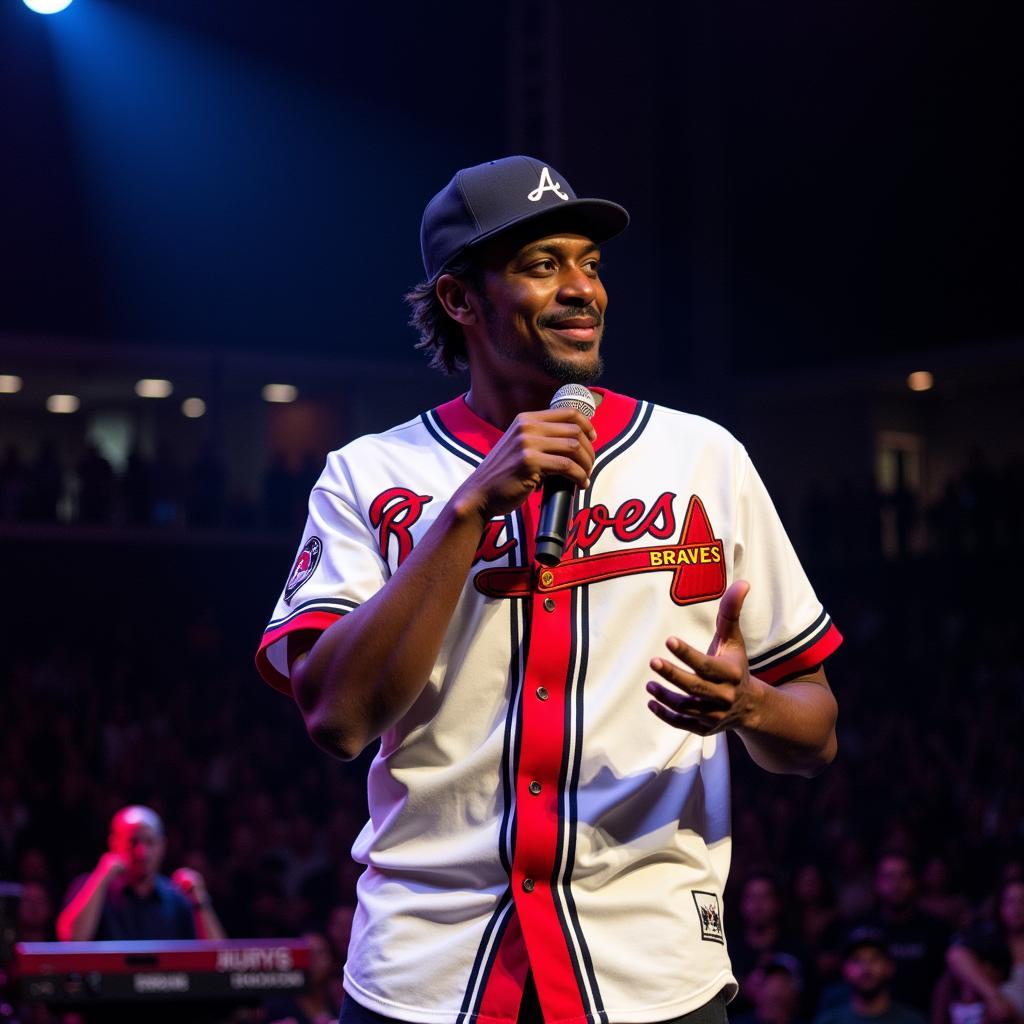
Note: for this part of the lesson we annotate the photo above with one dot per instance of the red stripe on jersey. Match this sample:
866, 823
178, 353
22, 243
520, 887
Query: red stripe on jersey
504, 989
542, 746
610, 420
814, 655
316, 621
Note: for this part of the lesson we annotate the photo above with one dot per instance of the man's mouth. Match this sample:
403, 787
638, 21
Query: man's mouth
576, 328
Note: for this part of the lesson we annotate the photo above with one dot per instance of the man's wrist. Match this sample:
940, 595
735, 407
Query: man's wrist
760, 693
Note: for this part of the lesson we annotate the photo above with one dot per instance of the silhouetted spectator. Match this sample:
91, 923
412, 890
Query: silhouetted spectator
279, 490
868, 969
137, 486
761, 935
46, 484
939, 897
206, 489
95, 487
168, 487
916, 941
317, 1003
14, 485
14, 821
778, 992
988, 958
35, 914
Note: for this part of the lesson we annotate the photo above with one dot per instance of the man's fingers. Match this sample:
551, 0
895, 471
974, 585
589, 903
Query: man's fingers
685, 704
567, 416
727, 624
714, 670
700, 726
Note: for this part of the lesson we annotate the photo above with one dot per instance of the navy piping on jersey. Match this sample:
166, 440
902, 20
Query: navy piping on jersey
340, 605
488, 950
568, 783
448, 440
636, 426
813, 633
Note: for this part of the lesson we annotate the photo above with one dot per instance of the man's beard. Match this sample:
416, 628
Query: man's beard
565, 371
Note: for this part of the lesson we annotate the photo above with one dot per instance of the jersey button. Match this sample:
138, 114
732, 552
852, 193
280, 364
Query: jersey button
549, 604
528, 885
535, 787
542, 693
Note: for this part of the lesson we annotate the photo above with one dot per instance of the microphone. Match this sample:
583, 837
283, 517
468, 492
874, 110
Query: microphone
559, 491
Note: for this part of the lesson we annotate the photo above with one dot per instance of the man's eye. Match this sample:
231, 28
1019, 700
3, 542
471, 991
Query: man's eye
543, 265
594, 266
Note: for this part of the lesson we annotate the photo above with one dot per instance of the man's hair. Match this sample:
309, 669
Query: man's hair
440, 336
137, 814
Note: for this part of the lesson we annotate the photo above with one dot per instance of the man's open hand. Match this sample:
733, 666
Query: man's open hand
719, 693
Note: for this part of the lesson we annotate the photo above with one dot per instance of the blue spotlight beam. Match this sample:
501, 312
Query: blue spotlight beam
47, 6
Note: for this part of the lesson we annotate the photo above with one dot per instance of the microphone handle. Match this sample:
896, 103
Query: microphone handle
555, 507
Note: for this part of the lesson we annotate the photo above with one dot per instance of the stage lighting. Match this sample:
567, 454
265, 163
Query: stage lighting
62, 403
10, 384
920, 380
193, 408
47, 6
150, 387
280, 393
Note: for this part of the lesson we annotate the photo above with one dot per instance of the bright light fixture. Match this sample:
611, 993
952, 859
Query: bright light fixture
920, 380
151, 387
279, 392
193, 408
62, 403
10, 384
47, 6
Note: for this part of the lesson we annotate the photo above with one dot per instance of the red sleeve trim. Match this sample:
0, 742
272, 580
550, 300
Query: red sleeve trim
316, 621
813, 655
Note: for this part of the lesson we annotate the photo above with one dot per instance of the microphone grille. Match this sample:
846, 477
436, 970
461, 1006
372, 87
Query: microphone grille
574, 396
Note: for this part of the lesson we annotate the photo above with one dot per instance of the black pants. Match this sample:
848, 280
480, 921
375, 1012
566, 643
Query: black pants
712, 1012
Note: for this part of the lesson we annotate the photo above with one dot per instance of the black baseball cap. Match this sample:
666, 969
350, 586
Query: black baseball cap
483, 201
866, 936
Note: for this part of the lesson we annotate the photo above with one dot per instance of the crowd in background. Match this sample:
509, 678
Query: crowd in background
163, 491
916, 829
976, 510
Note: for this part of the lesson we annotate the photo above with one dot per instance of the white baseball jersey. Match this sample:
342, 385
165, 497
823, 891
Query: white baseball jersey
530, 812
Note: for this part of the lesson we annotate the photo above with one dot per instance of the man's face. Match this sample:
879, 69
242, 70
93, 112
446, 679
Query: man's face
1011, 908
141, 846
895, 883
867, 971
543, 308
759, 904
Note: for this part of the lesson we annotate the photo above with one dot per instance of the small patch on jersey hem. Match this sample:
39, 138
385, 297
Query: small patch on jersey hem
305, 566
709, 913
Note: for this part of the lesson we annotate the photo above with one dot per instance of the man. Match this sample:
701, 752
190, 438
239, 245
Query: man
916, 941
778, 994
868, 970
761, 935
125, 897
549, 827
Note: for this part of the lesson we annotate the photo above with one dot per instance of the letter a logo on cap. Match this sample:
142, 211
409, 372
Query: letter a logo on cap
546, 185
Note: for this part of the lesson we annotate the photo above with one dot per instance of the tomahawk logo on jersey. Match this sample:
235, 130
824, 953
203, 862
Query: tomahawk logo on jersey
529, 787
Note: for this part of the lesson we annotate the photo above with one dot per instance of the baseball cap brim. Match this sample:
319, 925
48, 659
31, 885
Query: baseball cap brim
598, 219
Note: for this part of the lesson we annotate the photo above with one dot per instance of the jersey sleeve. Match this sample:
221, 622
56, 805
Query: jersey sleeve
338, 567
784, 624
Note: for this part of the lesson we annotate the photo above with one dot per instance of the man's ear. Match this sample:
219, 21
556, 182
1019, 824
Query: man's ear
453, 294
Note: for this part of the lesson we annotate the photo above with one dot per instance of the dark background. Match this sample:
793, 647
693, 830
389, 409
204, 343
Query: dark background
809, 184
825, 197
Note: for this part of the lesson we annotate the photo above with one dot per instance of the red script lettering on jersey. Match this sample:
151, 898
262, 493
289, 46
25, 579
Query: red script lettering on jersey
630, 522
392, 514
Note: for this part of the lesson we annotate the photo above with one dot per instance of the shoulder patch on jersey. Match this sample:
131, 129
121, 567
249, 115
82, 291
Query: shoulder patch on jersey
709, 913
305, 566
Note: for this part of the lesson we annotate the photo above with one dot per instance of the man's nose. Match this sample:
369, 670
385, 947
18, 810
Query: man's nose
576, 288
